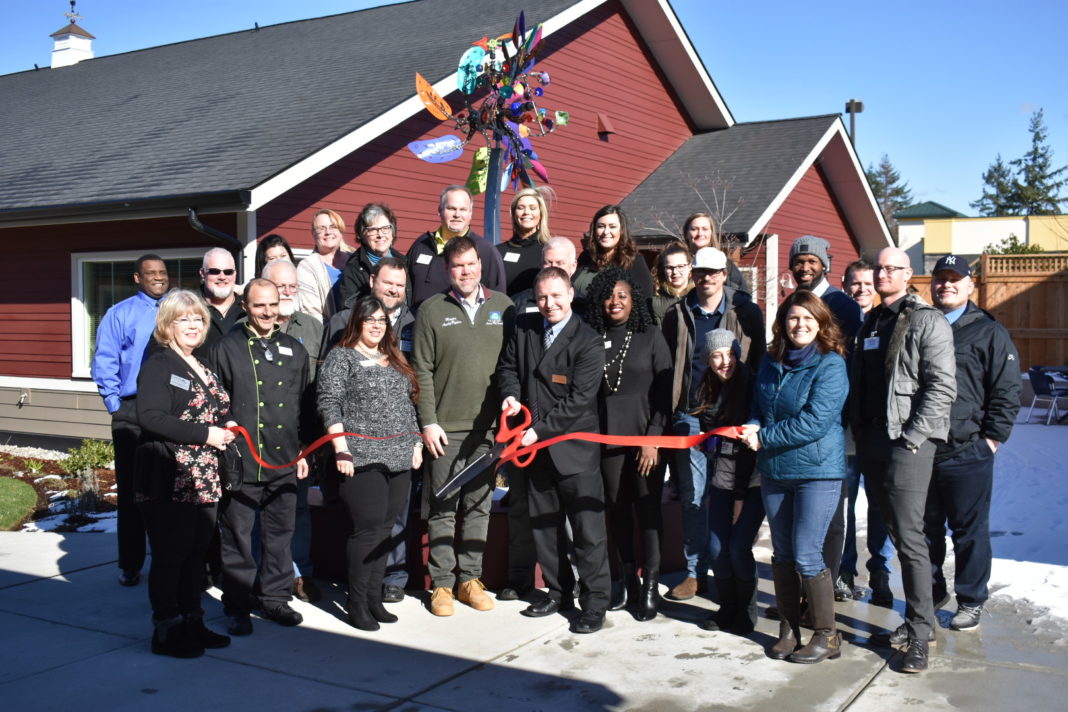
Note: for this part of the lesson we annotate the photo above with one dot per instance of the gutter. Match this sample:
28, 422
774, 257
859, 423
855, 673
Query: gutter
229, 240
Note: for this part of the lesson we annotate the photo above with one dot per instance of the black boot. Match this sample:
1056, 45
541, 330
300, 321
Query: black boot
723, 619
788, 599
171, 637
375, 607
194, 623
825, 641
649, 598
745, 621
621, 590
881, 594
359, 614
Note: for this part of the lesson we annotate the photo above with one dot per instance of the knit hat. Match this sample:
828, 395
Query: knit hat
811, 245
719, 339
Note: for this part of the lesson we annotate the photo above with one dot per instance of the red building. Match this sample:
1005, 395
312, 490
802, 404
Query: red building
253, 131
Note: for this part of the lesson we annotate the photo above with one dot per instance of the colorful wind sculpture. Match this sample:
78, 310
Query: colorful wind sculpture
501, 96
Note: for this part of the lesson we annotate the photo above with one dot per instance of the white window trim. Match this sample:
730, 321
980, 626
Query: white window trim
79, 316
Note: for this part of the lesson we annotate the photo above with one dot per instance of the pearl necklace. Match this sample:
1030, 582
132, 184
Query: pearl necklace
617, 359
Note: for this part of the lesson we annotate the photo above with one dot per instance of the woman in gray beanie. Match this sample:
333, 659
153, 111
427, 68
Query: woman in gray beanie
735, 508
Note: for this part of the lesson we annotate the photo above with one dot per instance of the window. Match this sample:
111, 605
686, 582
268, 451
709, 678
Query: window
101, 279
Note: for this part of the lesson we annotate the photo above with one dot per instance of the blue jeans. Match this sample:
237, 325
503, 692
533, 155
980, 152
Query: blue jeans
799, 512
880, 548
691, 470
730, 546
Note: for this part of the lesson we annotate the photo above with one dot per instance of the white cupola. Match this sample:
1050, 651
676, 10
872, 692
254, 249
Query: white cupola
73, 44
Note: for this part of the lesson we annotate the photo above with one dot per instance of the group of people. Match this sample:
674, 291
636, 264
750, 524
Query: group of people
413, 361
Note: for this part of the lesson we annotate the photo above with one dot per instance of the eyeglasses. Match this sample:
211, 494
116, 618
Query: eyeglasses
380, 320
189, 321
323, 230
215, 271
384, 231
889, 269
286, 288
676, 268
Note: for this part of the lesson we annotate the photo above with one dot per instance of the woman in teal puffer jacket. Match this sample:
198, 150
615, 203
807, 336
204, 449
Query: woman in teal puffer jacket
796, 428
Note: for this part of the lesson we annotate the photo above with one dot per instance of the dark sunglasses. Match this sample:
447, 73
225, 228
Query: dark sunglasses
215, 271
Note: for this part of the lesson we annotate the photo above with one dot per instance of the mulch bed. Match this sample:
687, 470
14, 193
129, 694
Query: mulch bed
13, 465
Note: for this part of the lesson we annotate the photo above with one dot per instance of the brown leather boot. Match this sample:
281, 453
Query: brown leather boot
788, 599
825, 641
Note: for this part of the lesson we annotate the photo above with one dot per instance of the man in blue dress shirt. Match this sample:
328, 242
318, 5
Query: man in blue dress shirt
123, 337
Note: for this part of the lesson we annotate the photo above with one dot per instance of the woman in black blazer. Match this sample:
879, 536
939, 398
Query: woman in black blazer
635, 399
176, 473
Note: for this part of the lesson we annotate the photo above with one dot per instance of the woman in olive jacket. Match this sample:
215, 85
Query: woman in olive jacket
796, 429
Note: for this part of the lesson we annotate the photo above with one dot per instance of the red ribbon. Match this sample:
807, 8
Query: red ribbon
511, 437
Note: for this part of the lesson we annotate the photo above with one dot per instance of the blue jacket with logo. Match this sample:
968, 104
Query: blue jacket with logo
800, 416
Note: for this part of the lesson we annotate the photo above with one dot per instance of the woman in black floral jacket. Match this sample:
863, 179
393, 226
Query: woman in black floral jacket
176, 474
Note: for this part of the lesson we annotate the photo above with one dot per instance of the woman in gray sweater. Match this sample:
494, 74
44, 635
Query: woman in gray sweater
366, 386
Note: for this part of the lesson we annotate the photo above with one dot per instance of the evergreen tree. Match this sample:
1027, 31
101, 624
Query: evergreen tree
890, 191
1037, 188
998, 190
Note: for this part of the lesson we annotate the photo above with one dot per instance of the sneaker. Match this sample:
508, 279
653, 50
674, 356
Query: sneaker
898, 637
306, 590
967, 617
915, 657
843, 588
392, 594
441, 602
685, 590
473, 593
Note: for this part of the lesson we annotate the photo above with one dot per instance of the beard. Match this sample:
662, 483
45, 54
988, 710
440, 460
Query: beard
286, 307
219, 292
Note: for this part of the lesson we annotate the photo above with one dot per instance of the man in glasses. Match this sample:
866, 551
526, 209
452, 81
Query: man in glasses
710, 305
218, 275
266, 374
458, 337
122, 338
902, 387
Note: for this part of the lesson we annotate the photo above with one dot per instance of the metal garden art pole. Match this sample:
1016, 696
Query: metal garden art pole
506, 116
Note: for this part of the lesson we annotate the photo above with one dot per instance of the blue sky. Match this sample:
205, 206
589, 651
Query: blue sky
946, 85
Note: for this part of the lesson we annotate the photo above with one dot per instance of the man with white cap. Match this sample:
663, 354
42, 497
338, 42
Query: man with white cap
709, 305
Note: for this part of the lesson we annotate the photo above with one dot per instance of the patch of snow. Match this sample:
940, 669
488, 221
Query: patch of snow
48, 477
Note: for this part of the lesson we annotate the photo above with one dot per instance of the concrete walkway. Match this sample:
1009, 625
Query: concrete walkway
74, 639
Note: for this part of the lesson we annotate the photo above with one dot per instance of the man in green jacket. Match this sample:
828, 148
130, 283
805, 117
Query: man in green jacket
457, 339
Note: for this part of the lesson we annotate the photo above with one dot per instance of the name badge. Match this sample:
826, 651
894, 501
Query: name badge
727, 448
179, 382
285, 350
511, 257
530, 310
557, 378
608, 344
871, 343
423, 259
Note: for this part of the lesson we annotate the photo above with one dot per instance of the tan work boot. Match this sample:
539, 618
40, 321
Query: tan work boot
473, 593
685, 590
441, 602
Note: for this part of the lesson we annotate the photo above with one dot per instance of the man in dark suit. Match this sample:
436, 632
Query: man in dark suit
553, 363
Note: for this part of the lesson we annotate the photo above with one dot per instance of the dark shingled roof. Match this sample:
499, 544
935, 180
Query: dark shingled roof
743, 168
224, 113
927, 209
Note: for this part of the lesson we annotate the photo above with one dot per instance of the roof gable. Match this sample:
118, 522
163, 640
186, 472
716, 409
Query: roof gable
927, 209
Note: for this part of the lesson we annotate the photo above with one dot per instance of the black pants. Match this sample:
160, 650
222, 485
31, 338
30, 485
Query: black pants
179, 534
579, 498
628, 494
522, 557
125, 432
961, 488
899, 479
374, 499
276, 502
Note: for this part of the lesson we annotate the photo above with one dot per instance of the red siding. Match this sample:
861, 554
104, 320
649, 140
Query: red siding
591, 62
810, 209
35, 327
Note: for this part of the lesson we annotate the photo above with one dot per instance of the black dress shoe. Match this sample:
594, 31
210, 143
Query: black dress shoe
897, 638
514, 591
239, 624
547, 607
915, 657
282, 614
589, 622
392, 594
129, 578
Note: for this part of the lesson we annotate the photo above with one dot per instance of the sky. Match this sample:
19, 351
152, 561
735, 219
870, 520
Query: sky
946, 86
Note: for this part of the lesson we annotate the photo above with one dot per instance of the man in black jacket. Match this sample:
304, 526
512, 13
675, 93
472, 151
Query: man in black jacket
553, 363
266, 374
988, 399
